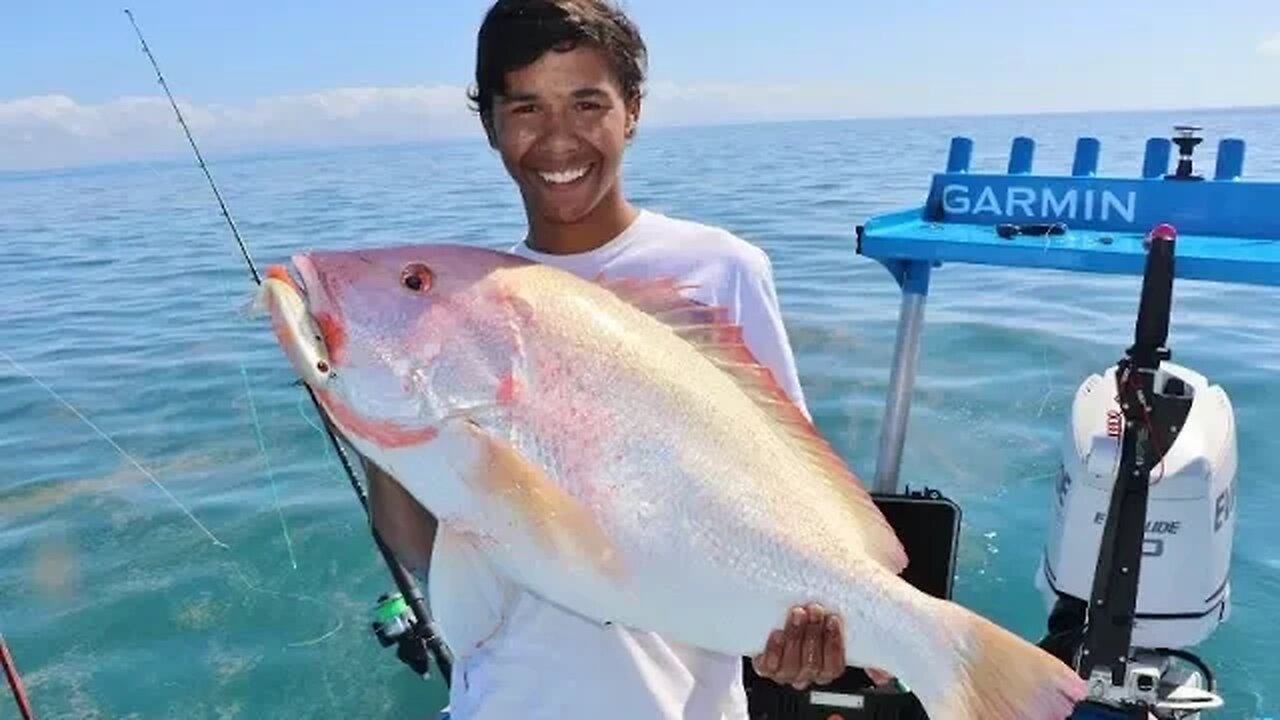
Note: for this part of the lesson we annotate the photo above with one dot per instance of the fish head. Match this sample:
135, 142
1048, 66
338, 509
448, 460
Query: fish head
394, 339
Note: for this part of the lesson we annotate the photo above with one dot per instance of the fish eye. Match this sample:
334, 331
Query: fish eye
416, 277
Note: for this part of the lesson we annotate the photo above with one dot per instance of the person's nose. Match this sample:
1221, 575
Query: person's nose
561, 133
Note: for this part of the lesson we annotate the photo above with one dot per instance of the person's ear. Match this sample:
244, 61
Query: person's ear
633, 116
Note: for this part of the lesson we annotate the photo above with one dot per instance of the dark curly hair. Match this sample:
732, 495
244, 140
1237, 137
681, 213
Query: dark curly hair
515, 33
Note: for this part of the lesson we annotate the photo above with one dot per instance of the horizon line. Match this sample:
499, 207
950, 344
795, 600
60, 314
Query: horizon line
250, 154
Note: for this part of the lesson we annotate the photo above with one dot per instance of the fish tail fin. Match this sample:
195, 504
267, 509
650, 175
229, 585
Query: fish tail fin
996, 675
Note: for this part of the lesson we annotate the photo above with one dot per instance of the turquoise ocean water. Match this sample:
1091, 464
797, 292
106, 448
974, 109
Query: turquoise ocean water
121, 289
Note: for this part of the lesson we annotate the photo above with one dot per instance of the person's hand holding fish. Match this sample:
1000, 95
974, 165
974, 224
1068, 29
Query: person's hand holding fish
809, 650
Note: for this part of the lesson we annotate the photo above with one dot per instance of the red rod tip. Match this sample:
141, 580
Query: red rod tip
1164, 231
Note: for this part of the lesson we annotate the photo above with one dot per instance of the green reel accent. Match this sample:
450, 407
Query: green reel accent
390, 607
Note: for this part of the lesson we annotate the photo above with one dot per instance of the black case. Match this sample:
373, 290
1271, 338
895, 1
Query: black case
928, 524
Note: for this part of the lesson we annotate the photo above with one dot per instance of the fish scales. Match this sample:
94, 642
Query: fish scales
635, 385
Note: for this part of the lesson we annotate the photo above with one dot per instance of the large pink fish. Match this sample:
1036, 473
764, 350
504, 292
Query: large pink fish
616, 449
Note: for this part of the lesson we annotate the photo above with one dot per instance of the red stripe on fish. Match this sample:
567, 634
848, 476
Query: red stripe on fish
380, 432
508, 389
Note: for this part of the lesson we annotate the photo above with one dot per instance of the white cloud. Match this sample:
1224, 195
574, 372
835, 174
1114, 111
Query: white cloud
1270, 46
56, 130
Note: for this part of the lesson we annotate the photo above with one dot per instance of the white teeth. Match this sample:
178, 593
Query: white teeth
564, 176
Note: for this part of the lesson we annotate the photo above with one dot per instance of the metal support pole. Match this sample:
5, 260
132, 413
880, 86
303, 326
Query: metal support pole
893, 430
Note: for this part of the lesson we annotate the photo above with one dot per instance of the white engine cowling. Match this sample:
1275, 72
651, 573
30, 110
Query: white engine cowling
1184, 588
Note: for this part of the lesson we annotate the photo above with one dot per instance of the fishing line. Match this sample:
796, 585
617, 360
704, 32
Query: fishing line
1048, 381
266, 458
305, 598
119, 449
329, 460
182, 121
234, 564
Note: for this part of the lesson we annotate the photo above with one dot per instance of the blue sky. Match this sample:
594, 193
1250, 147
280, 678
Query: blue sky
76, 87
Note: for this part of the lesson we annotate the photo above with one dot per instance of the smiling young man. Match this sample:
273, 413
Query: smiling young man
558, 90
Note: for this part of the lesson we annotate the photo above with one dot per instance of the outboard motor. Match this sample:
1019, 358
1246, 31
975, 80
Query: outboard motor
1184, 591
1153, 443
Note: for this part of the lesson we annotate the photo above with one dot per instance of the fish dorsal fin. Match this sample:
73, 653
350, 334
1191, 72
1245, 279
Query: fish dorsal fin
709, 329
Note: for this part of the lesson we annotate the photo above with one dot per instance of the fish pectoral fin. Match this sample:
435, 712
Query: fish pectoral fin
563, 527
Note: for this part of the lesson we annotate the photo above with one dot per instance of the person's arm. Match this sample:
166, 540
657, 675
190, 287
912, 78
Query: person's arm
763, 329
405, 526
809, 646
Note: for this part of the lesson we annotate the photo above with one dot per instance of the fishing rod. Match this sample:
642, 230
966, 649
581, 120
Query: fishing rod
15, 682
416, 636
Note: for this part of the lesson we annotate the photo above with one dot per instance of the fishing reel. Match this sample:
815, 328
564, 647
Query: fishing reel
394, 624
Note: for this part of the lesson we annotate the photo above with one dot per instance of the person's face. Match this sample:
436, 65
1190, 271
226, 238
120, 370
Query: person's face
561, 129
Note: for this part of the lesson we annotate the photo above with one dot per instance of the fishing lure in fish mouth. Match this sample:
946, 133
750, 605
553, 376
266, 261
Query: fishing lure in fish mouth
299, 335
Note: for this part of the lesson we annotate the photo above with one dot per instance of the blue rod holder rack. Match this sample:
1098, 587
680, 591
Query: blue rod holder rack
960, 156
1021, 156
1086, 162
1155, 162
1228, 227
1230, 160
